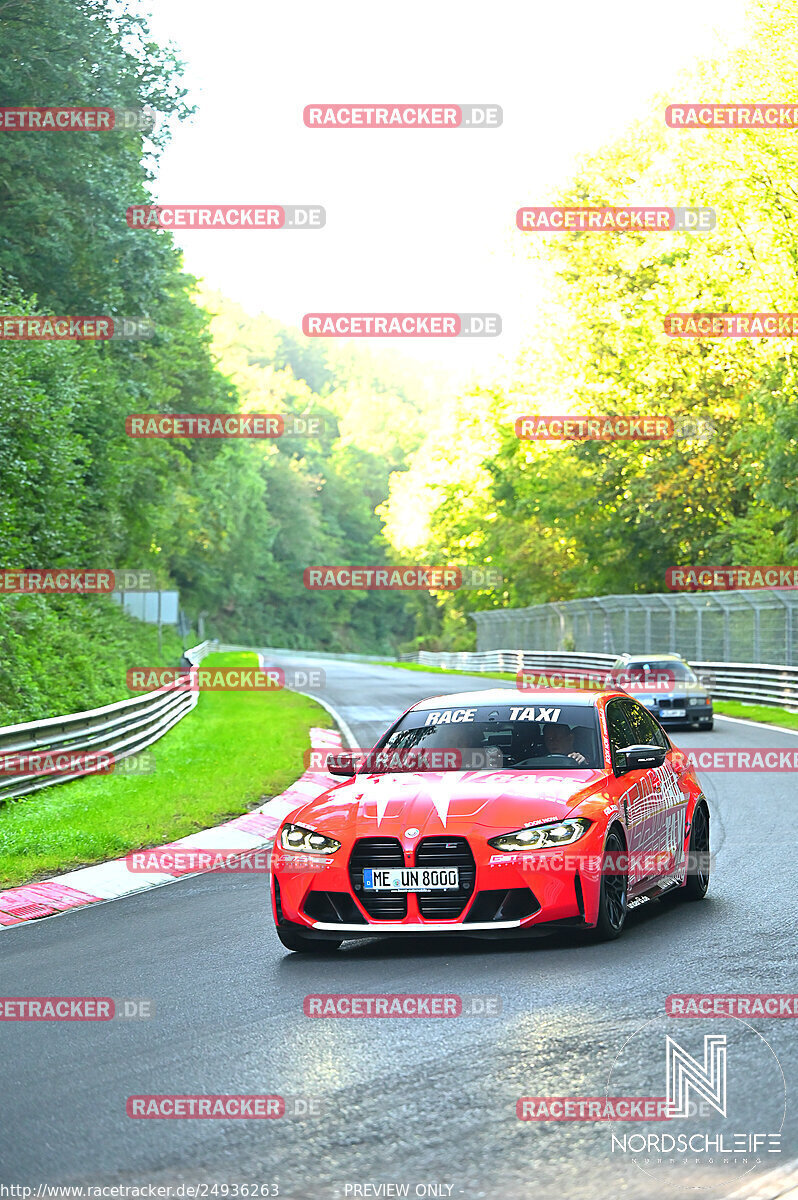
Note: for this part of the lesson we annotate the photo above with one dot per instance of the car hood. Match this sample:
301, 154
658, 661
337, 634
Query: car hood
436, 802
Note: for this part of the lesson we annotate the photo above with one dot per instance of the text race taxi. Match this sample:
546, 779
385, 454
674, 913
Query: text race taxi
495, 813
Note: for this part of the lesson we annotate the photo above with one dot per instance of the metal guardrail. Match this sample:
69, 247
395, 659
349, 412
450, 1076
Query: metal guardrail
119, 729
763, 683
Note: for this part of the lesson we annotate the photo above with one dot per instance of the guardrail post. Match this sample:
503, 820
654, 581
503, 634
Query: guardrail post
788, 644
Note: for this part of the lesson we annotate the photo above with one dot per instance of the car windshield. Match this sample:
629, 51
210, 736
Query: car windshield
657, 669
519, 737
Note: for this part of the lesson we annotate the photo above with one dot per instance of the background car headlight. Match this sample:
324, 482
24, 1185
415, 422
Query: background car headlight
703, 700
558, 833
296, 837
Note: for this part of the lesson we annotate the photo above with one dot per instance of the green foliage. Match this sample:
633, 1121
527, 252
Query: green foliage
591, 518
61, 654
402, 470
304, 501
231, 524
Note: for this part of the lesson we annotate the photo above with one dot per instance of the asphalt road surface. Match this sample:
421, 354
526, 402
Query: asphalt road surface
427, 1103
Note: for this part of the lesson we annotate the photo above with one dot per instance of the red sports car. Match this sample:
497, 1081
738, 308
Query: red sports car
495, 813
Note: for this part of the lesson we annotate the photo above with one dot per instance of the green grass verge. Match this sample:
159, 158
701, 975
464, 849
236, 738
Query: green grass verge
233, 752
445, 670
769, 713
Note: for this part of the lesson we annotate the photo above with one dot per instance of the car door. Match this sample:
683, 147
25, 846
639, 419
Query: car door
661, 806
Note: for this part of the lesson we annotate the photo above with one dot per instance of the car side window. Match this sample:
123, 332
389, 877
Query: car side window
645, 730
619, 730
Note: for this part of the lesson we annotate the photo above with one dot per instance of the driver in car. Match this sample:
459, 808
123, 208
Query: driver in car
559, 739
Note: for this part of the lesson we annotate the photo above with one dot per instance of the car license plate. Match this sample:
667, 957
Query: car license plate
673, 712
411, 879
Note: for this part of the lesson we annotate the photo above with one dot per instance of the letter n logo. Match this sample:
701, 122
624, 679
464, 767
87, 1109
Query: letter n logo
685, 1073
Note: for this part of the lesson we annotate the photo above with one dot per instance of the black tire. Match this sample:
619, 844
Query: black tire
292, 939
709, 724
697, 879
613, 899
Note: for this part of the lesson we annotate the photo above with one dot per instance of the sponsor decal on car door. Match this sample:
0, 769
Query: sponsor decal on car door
658, 802
638, 792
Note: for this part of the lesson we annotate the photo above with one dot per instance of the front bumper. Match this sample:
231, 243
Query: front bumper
689, 714
512, 894
492, 932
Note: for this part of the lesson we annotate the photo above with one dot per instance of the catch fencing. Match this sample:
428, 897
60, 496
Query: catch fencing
756, 626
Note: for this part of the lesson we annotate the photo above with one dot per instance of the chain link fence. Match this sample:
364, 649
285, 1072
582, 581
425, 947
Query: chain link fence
734, 626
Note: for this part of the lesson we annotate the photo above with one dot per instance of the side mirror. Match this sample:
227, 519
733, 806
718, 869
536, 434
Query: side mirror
639, 758
340, 764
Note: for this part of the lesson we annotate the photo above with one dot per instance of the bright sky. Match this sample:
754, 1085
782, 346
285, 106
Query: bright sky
416, 220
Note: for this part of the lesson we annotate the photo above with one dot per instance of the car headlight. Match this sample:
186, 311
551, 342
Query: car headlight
649, 701
541, 837
703, 700
296, 837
